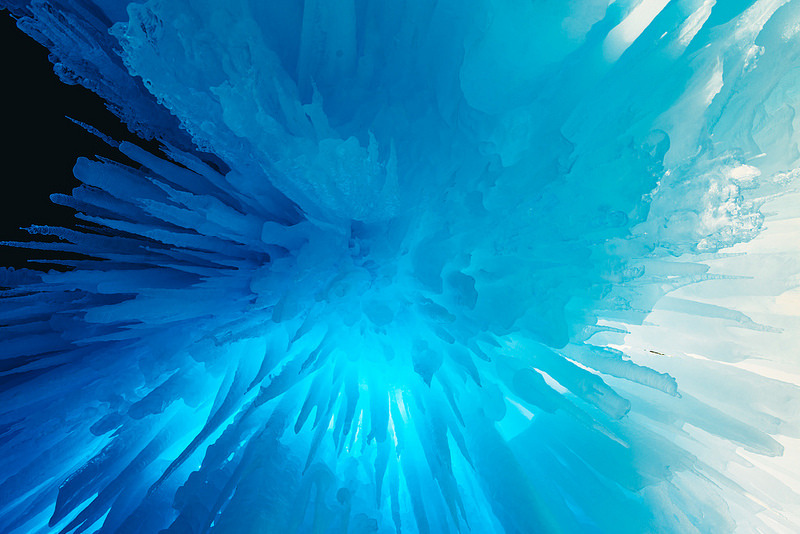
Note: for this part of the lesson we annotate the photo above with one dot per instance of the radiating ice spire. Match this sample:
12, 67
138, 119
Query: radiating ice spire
415, 267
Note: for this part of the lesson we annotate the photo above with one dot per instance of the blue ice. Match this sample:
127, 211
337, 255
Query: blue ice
426, 266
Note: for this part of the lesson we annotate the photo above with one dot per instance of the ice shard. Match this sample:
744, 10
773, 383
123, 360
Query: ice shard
427, 266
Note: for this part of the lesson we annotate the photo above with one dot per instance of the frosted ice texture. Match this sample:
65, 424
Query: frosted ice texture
441, 266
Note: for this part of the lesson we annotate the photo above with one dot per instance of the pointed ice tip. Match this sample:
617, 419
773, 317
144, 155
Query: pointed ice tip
94, 131
554, 229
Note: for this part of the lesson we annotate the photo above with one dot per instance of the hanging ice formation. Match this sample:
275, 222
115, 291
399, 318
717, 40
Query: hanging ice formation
426, 266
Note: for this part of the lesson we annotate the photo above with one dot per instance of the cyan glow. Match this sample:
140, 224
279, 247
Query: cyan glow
431, 266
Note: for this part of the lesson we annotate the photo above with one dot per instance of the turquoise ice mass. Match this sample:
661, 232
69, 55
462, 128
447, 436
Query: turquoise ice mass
418, 266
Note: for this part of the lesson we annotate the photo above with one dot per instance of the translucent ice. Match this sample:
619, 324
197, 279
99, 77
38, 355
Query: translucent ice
430, 266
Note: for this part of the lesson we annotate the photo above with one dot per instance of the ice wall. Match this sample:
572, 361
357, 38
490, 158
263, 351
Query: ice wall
488, 266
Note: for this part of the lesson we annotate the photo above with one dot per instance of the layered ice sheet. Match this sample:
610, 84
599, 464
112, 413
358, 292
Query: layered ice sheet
488, 266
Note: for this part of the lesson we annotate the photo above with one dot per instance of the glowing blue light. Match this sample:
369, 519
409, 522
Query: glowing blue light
430, 266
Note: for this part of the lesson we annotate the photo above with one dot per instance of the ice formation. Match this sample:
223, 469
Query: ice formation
519, 266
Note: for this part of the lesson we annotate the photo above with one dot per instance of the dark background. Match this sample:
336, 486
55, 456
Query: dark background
39, 144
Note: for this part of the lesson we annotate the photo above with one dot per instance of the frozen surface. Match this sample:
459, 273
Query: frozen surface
456, 266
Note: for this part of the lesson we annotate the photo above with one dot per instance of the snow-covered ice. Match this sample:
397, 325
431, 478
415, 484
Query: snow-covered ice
425, 266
